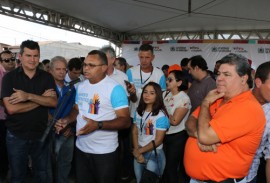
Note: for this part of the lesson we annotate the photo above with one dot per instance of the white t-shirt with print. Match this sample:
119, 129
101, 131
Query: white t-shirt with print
99, 102
147, 126
172, 102
120, 78
135, 78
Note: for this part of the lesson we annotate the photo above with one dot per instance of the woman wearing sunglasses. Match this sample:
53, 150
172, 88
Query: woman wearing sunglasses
178, 106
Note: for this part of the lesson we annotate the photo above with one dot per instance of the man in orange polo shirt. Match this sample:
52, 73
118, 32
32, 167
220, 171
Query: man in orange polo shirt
225, 131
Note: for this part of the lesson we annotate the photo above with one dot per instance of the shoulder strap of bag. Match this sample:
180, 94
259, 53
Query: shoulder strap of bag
155, 150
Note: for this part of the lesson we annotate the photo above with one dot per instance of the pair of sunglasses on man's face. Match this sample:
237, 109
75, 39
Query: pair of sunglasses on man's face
9, 60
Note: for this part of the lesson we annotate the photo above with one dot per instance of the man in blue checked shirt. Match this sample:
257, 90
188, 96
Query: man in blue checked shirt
262, 93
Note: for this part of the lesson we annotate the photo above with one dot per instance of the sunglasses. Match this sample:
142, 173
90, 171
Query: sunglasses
9, 59
170, 79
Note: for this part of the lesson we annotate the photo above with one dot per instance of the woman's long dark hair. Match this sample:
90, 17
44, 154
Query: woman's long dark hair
158, 104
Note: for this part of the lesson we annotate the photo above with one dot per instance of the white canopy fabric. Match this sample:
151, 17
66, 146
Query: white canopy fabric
140, 16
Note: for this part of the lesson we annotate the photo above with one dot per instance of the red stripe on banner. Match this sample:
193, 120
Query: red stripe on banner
163, 41
263, 42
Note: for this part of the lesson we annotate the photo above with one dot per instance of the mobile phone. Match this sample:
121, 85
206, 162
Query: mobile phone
127, 83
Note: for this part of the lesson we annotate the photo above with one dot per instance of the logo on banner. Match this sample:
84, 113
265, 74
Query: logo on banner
239, 50
260, 50
267, 50
136, 49
156, 48
195, 49
221, 49
264, 50
179, 48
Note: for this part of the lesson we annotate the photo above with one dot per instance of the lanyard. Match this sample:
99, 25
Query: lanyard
141, 123
148, 77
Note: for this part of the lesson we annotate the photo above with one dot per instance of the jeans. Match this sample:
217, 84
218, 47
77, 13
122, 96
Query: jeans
151, 163
96, 168
64, 153
174, 147
18, 151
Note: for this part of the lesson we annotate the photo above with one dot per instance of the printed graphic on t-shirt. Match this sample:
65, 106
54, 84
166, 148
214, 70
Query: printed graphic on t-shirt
149, 128
94, 105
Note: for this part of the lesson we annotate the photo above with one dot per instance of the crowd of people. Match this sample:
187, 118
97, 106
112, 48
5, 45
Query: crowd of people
109, 121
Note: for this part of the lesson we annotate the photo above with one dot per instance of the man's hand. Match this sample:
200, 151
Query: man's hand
131, 89
90, 126
139, 157
68, 132
49, 93
18, 96
212, 96
208, 148
60, 125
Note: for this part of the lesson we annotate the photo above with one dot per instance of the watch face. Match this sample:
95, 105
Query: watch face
100, 125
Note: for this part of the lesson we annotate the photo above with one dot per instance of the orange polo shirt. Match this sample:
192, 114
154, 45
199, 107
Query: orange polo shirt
239, 124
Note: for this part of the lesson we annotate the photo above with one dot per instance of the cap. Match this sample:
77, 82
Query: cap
174, 67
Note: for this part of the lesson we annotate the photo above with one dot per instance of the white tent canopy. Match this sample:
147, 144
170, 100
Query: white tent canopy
118, 20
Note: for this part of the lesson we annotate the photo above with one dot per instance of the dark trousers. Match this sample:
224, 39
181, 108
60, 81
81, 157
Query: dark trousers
174, 147
126, 157
96, 168
261, 176
18, 152
3, 151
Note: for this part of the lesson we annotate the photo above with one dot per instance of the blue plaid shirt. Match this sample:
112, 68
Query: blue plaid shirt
264, 148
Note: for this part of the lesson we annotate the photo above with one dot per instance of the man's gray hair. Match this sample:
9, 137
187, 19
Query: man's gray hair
108, 49
241, 64
56, 59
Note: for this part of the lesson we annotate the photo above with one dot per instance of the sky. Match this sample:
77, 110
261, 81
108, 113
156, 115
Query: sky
13, 31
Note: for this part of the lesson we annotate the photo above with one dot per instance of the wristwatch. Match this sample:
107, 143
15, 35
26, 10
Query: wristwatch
100, 125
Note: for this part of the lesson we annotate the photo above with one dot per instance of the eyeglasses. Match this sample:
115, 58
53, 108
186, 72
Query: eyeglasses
91, 65
9, 59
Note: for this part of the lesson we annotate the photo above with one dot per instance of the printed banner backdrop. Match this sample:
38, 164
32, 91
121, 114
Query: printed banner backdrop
172, 52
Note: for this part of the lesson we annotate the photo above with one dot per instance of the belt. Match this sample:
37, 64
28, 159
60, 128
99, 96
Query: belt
224, 181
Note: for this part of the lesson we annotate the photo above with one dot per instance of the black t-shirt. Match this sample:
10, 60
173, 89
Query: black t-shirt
31, 124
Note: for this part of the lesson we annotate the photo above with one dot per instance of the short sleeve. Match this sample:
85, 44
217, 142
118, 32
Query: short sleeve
118, 97
162, 83
163, 123
196, 112
185, 103
7, 88
129, 75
